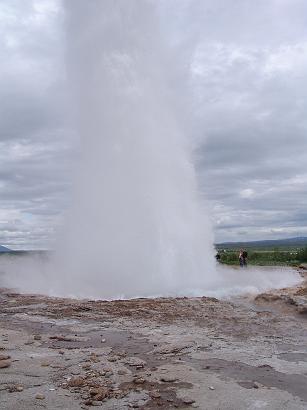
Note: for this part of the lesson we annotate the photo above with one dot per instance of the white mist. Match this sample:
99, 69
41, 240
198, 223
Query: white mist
137, 226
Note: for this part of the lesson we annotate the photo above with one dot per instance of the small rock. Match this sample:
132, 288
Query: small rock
139, 380
39, 396
45, 364
112, 359
14, 389
155, 395
4, 364
103, 340
37, 337
99, 393
121, 372
188, 400
211, 388
135, 361
256, 385
76, 382
168, 379
4, 356
61, 352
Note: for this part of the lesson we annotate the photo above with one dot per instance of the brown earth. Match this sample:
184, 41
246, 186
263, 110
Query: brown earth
163, 353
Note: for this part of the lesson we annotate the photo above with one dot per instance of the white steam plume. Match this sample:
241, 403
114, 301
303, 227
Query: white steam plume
138, 226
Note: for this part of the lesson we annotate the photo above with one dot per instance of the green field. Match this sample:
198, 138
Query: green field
278, 253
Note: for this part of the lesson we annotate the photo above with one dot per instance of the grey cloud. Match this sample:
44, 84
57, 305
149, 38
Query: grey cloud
247, 102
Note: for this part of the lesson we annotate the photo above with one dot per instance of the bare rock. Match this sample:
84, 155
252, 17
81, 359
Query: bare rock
37, 337
168, 379
188, 400
15, 388
139, 380
174, 349
5, 363
100, 393
40, 396
135, 362
155, 394
76, 382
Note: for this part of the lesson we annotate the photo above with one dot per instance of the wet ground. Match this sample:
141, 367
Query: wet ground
245, 353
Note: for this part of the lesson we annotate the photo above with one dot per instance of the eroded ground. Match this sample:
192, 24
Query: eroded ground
154, 353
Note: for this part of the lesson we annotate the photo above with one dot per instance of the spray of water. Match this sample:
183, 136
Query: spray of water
137, 226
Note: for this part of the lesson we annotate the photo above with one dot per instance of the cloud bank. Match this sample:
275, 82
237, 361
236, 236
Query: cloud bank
247, 63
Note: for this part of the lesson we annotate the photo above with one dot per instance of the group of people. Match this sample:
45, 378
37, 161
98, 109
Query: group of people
242, 258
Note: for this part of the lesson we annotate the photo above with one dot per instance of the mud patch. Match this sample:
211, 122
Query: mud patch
293, 357
264, 375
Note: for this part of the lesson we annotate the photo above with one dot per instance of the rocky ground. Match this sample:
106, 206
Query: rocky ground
247, 353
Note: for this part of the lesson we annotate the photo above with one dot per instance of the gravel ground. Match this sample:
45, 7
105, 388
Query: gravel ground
245, 353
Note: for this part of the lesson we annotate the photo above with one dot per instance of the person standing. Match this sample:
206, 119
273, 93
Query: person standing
243, 258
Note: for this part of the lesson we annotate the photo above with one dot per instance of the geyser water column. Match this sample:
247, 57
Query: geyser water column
137, 226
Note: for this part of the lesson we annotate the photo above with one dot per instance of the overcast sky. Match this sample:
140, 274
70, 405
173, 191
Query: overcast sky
248, 68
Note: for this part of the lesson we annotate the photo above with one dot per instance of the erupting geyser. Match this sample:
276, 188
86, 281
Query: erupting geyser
137, 226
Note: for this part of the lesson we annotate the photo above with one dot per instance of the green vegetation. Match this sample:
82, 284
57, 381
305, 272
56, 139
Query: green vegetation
265, 257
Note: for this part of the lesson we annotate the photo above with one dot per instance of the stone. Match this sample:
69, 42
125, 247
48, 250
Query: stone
76, 382
37, 337
139, 380
211, 388
99, 393
5, 363
112, 359
188, 400
14, 389
135, 361
39, 396
155, 395
168, 379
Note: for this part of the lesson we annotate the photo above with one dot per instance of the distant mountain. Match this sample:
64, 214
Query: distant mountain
299, 241
4, 249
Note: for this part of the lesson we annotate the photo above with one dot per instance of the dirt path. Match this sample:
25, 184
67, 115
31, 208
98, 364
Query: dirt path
153, 353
